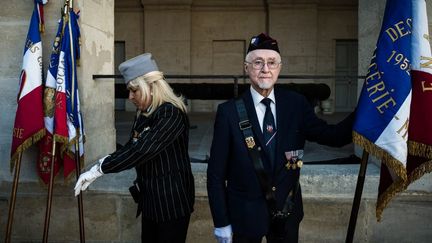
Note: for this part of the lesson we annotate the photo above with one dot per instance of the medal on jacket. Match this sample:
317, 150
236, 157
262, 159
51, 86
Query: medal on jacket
269, 128
136, 135
250, 142
294, 159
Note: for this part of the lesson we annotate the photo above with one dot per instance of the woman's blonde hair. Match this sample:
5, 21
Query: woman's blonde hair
160, 91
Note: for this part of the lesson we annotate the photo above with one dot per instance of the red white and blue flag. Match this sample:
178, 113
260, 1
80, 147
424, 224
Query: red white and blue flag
63, 119
46, 144
29, 123
70, 54
420, 124
384, 120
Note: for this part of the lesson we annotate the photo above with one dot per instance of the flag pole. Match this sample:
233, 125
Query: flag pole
357, 198
80, 199
13, 199
69, 6
50, 192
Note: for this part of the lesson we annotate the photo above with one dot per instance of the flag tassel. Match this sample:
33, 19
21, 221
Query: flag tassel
13, 198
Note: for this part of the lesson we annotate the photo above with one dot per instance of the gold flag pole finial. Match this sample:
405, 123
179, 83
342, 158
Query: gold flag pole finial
66, 7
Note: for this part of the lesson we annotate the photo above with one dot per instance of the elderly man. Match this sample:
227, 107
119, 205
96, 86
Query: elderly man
255, 159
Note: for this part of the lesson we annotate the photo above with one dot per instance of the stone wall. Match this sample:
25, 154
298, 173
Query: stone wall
208, 37
97, 96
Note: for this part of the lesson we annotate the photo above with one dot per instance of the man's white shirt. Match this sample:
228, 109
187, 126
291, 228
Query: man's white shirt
260, 108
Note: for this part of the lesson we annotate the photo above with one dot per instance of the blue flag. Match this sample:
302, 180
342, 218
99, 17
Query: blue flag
383, 111
385, 98
381, 126
71, 51
72, 54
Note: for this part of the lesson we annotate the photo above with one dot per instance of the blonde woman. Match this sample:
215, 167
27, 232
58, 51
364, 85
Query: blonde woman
158, 149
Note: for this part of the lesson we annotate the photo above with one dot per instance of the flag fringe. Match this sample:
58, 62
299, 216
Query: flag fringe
425, 167
64, 142
69, 177
69, 152
384, 199
25, 145
424, 151
386, 158
65, 148
393, 164
420, 149
41, 28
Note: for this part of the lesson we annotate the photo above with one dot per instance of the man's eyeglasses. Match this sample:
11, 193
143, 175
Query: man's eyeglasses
259, 64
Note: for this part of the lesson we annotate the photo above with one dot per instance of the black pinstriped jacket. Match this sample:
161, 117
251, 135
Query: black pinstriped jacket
158, 149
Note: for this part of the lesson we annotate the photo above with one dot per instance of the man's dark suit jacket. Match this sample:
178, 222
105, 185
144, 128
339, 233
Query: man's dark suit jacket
235, 195
158, 149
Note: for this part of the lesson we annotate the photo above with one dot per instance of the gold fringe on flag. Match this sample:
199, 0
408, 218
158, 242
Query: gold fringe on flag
74, 142
393, 164
70, 178
64, 141
420, 150
41, 28
25, 145
378, 152
384, 199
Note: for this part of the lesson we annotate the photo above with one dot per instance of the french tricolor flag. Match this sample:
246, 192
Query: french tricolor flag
394, 116
29, 123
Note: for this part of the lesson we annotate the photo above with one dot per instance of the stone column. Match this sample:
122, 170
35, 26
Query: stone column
97, 96
370, 20
97, 57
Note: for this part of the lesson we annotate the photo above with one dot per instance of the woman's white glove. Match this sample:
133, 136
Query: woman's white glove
88, 177
223, 234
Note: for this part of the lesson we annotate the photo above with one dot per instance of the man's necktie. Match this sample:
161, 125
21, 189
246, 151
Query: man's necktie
269, 129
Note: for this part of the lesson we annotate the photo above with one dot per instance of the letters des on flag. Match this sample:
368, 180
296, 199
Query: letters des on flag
388, 117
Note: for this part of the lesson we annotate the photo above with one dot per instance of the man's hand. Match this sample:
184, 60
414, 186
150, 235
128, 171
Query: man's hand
88, 177
223, 234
